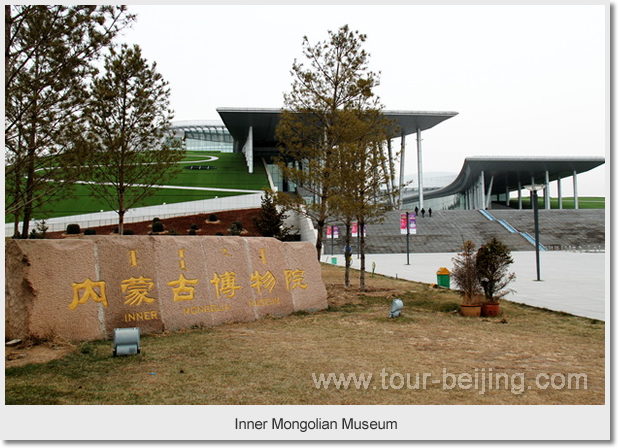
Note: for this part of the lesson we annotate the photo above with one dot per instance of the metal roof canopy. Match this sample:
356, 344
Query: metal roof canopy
264, 123
510, 172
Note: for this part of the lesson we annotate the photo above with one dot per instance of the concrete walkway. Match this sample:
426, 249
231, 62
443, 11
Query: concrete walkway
573, 282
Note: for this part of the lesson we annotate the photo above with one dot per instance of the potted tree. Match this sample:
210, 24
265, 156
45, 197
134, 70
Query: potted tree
492, 262
464, 275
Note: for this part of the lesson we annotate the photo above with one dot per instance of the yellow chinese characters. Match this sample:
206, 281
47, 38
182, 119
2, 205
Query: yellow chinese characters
89, 292
266, 281
136, 290
183, 288
294, 279
225, 284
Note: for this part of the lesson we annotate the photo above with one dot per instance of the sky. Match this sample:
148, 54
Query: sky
524, 80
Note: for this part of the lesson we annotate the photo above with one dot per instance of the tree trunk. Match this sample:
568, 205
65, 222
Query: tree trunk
121, 222
347, 253
361, 229
321, 222
318, 241
16, 226
121, 211
30, 173
17, 194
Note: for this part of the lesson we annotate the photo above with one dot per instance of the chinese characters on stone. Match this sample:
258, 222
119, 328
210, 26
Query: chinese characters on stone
136, 290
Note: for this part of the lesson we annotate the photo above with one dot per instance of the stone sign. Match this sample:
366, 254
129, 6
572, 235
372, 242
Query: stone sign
83, 288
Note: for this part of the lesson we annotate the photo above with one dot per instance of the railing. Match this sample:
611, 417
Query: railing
487, 215
532, 240
147, 213
576, 247
507, 226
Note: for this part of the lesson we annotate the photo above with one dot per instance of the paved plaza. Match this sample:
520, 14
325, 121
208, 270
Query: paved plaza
573, 282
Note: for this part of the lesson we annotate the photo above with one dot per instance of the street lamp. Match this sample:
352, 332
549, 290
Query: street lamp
534, 188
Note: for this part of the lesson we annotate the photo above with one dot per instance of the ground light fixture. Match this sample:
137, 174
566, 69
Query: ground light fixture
534, 189
396, 307
126, 341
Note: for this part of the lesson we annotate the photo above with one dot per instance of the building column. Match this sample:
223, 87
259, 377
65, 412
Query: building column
519, 201
575, 196
482, 188
248, 150
488, 197
560, 193
547, 192
419, 158
531, 198
391, 177
506, 196
401, 168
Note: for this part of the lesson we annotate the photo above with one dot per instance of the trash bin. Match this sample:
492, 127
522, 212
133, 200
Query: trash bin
333, 260
444, 278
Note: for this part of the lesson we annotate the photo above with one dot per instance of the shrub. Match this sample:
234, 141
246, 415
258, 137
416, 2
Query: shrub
73, 229
34, 235
492, 262
155, 220
269, 221
128, 232
192, 232
464, 274
235, 228
218, 234
157, 226
213, 218
40, 231
90, 231
194, 227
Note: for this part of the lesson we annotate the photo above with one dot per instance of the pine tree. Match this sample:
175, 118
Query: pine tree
129, 131
492, 262
49, 54
315, 124
270, 221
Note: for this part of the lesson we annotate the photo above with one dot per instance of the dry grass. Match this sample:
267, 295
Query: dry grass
271, 361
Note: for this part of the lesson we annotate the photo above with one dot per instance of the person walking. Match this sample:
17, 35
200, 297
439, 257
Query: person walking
415, 211
423, 212
429, 211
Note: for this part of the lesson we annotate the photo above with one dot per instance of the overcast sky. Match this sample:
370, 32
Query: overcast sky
525, 80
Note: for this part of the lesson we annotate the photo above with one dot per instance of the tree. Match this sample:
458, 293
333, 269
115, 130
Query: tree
49, 50
270, 220
315, 122
465, 274
363, 178
129, 131
492, 262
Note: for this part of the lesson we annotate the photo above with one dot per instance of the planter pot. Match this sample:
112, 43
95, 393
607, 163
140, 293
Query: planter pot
470, 310
490, 309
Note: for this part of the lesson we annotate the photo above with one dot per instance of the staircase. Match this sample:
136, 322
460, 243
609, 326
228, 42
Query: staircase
446, 231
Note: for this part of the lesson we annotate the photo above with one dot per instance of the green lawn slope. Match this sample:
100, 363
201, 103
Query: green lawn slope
228, 171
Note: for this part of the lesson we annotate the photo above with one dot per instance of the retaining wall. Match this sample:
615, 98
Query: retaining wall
99, 219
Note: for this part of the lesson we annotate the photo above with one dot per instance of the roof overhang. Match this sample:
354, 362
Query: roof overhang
510, 172
264, 123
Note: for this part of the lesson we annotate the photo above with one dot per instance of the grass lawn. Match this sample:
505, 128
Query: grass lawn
273, 361
82, 200
229, 171
588, 202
